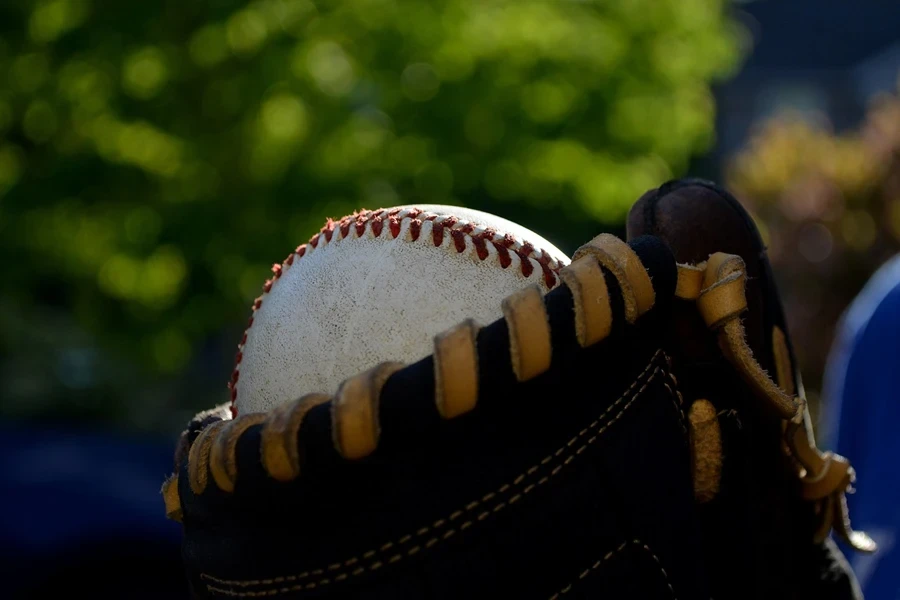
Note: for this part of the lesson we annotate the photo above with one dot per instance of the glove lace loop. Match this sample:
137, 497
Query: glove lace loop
717, 288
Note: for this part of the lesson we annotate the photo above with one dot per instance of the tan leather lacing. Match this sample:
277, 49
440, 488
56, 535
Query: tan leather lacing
456, 370
355, 411
171, 498
530, 349
720, 298
706, 449
281, 460
617, 256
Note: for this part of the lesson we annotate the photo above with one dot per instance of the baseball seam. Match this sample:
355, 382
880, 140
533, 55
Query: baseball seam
358, 223
338, 571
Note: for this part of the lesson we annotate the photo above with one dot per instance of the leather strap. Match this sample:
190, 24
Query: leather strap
355, 411
529, 332
690, 281
172, 499
721, 302
593, 313
198, 458
456, 370
706, 450
617, 256
280, 452
723, 296
223, 454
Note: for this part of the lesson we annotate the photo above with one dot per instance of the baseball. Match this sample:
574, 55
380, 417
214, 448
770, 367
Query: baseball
378, 286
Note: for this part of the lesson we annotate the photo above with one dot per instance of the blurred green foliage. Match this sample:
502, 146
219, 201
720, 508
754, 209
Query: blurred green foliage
829, 204
157, 157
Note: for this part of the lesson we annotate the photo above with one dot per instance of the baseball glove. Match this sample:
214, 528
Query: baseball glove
616, 436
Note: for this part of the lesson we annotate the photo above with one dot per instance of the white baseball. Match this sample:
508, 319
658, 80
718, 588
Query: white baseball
378, 286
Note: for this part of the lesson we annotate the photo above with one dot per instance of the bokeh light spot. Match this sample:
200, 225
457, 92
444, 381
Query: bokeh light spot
86, 85
144, 73
329, 66
558, 161
144, 145
548, 101
287, 15
119, 276
283, 118
246, 32
162, 277
50, 20
209, 46
420, 82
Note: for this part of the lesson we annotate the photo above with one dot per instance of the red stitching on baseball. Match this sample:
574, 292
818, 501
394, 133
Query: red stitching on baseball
358, 221
377, 226
480, 247
328, 229
437, 234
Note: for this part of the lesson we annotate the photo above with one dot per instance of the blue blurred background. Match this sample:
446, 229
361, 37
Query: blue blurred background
157, 158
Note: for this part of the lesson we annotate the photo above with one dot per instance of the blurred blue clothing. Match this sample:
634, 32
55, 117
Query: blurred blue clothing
861, 420
65, 485
81, 509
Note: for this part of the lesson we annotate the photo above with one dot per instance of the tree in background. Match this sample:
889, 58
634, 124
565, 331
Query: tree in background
156, 158
829, 204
